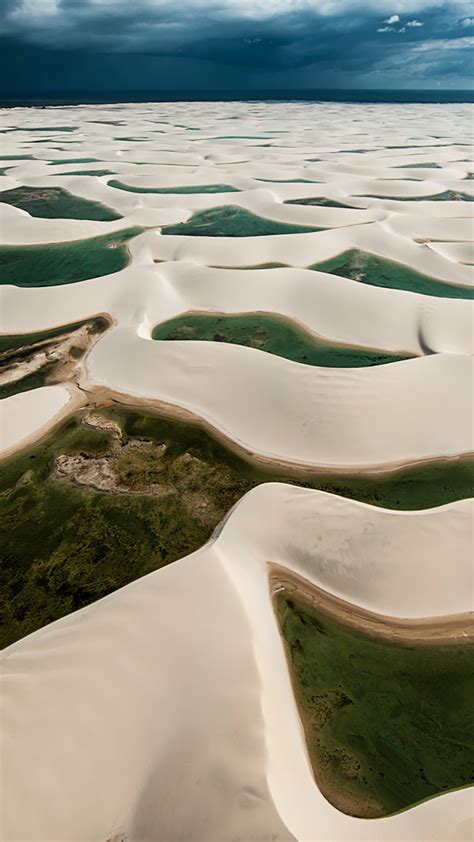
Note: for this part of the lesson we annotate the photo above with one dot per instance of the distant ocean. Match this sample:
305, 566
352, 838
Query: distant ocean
367, 96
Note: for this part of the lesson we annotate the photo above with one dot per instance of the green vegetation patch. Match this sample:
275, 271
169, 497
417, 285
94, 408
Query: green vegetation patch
59, 161
387, 724
288, 180
430, 165
17, 158
108, 122
274, 334
13, 341
369, 269
48, 129
232, 221
320, 201
65, 263
191, 189
57, 203
85, 172
239, 137
25, 384
447, 196
21, 349
249, 268
66, 545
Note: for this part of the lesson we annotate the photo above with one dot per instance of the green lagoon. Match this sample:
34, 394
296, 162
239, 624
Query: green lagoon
369, 269
447, 196
288, 180
232, 221
188, 190
17, 158
65, 263
319, 201
57, 203
274, 334
108, 122
387, 724
98, 173
430, 165
60, 161
66, 545
52, 129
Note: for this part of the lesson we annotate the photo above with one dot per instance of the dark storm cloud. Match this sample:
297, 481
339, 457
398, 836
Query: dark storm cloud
336, 41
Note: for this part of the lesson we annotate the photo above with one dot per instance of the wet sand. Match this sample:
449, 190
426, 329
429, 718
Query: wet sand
451, 629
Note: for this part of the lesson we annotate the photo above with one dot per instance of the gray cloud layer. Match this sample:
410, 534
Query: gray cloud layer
311, 43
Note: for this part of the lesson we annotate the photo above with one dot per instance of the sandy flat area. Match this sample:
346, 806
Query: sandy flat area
453, 628
290, 412
28, 416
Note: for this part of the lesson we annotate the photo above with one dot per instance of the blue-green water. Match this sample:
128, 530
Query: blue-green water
319, 201
65, 263
190, 189
446, 196
56, 203
273, 334
232, 221
369, 269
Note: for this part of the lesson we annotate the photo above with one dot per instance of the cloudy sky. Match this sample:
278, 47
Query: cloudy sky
50, 46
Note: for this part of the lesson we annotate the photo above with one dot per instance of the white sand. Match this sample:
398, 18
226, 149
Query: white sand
288, 411
165, 712
27, 416
334, 308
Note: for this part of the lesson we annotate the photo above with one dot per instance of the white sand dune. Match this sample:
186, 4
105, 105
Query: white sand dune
445, 230
462, 252
19, 228
165, 711
188, 715
306, 249
338, 309
28, 416
289, 412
